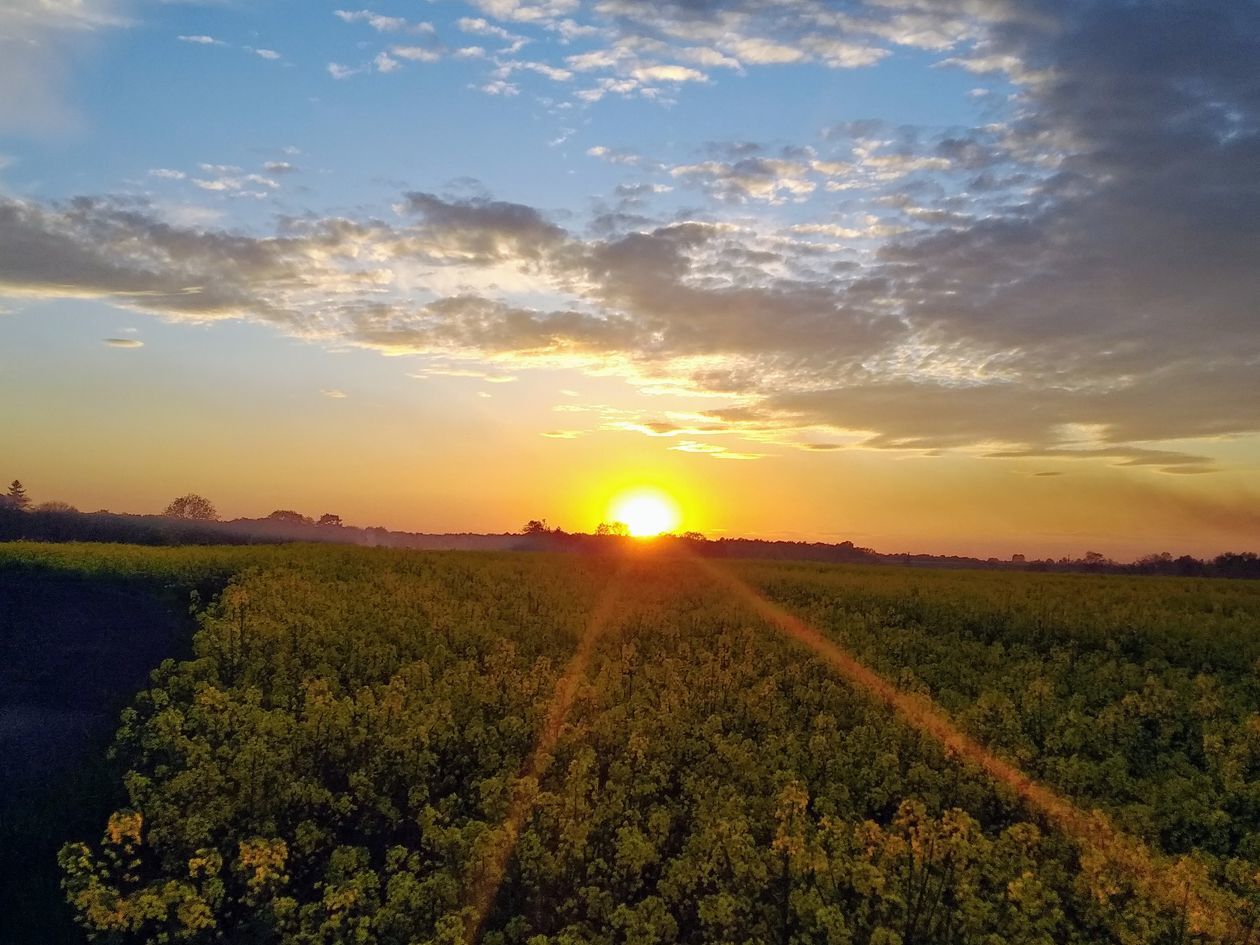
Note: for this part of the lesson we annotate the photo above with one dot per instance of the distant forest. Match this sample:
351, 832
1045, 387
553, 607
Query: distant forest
191, 520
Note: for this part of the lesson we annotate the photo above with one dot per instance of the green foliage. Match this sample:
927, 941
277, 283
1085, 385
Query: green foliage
338, 760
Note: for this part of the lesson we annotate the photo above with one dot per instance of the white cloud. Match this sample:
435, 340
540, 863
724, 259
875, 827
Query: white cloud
759, 51
499, 87
478, 26
416, 53
843, 54
668, 73
551, 72
338, 71
527, 11
378, 22
229, 180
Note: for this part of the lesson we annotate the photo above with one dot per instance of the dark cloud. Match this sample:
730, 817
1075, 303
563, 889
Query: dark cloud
485, 230
89, 247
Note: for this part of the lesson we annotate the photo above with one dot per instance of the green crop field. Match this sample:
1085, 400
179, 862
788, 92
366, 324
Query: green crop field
367, 746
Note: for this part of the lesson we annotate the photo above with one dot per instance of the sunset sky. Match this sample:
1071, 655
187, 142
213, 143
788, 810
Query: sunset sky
973, 276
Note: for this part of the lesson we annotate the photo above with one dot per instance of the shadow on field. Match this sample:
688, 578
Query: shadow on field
73, 651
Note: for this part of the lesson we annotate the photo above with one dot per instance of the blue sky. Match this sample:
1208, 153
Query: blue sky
1008, 243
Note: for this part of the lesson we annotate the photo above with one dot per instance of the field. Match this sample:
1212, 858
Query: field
388, 747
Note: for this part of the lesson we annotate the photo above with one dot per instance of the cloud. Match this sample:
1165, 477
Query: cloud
668, 73
339, 71
232, 181
473, 373
481, 230
416, 53
378, 22
771, 180
499, 87
40, 41
1166, 460
333, 393
614, 155
527, 11
713, 450
201, 40
758, 51
123, 342
477, 26
1072, 281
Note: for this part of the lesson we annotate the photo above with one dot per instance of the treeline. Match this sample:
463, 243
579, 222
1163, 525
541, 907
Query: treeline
1244, 564
60, 525
192, 520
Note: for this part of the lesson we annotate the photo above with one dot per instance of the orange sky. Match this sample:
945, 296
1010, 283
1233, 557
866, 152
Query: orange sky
129, 429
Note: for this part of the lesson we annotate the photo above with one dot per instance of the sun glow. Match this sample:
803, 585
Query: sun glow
645, 512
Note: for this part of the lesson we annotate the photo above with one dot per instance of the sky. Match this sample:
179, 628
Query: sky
954, 276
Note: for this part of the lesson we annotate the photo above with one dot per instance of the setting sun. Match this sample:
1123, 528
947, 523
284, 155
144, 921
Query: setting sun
645, 512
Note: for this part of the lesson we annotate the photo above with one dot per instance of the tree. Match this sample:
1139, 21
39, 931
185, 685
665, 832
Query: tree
289, 517
535, 527
17, 497
330, 520
192, 506
55, 506
619, 529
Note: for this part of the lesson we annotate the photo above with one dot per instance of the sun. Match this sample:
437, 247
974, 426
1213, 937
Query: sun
645, 512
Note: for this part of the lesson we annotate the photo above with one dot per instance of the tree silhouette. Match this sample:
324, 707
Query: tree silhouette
55, 506
192, 506
290, 517
620, 529
17, 496
329, 519
535, 527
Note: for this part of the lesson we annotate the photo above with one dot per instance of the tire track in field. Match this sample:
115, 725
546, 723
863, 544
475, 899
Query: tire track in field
484, 888
1207, 910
